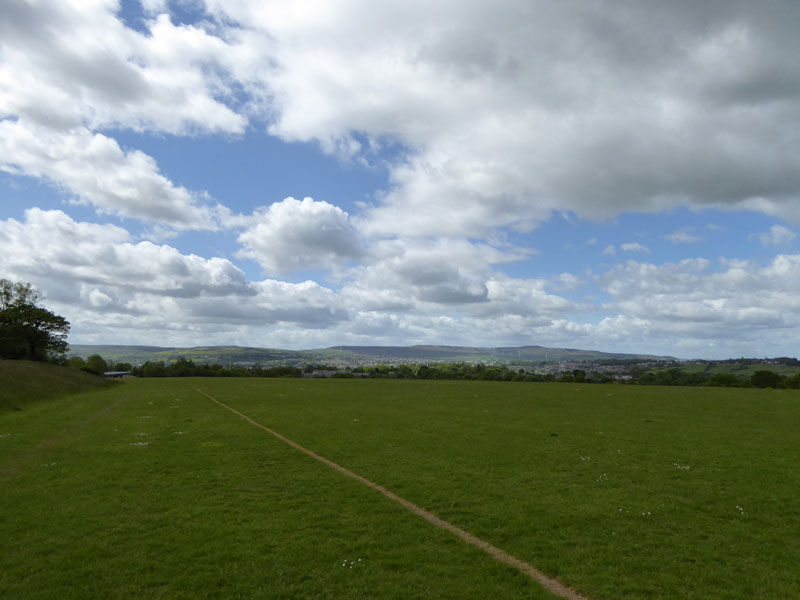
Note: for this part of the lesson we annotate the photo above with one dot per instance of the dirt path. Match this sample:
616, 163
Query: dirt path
549, 583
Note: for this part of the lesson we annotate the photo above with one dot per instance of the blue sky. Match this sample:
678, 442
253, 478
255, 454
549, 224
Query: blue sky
317, 174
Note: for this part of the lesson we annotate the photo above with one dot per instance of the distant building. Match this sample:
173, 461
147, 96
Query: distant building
117, 374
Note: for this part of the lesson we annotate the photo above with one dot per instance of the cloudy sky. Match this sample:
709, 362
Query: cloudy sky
615, 175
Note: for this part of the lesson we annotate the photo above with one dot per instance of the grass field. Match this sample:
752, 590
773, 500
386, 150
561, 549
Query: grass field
150, 490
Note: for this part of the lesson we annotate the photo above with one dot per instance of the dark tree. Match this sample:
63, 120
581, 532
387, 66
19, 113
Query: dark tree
28, 331
95, 364
764, 379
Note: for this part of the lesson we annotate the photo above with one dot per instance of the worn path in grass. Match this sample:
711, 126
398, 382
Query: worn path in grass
549, 583
62, 438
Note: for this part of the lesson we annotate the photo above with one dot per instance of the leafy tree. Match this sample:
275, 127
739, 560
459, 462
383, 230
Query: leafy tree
28, 331
764, 379
76, 362
95, 364
792, 382
724, 380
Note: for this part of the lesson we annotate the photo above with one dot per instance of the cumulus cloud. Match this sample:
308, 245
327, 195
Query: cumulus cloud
487, 116
635, 247
95, 170
778, 235
506, 118
72, 68
682, 236
417, 274
103, 281
50, 246
293, 235
741, 301
74, 63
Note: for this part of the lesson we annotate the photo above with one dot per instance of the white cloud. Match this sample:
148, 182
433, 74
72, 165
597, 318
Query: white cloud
73, 63
506, 119
487, 116
503, 118
778, 235
682, 236
51, 247
97, 171
742, 302
425, 275
71, 68
635, 247
293, 235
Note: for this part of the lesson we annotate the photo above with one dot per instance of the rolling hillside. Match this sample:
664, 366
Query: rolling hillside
138, 355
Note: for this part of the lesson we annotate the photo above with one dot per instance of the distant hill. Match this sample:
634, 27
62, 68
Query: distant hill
499, 354
138, 355
22, 382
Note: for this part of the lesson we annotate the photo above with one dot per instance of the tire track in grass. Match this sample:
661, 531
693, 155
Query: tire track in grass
20, 465
552, 585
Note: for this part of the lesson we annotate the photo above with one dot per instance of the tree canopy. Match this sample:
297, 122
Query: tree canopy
28, 331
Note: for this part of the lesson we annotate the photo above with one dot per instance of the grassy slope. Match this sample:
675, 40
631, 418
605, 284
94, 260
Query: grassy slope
23, 382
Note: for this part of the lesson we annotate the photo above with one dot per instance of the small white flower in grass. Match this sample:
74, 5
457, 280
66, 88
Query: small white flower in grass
140, 443
681, 467
585, 458
179, 432
741, 510
350, 563
142, 434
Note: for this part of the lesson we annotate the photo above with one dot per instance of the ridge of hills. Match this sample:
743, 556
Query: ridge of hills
138, 355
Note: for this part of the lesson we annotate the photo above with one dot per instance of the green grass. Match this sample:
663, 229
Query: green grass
23, 382
588, 483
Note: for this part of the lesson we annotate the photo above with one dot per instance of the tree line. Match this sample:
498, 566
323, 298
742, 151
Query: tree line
453, 371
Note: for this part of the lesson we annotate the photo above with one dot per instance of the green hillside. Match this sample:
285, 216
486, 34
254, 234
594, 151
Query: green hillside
499, 354
224, 355
22, 382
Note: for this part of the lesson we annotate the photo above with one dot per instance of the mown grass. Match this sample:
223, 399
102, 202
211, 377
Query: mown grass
620, 491
23, 382
150, 490
623, 492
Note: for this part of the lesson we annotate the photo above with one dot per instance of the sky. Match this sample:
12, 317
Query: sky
621, 176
